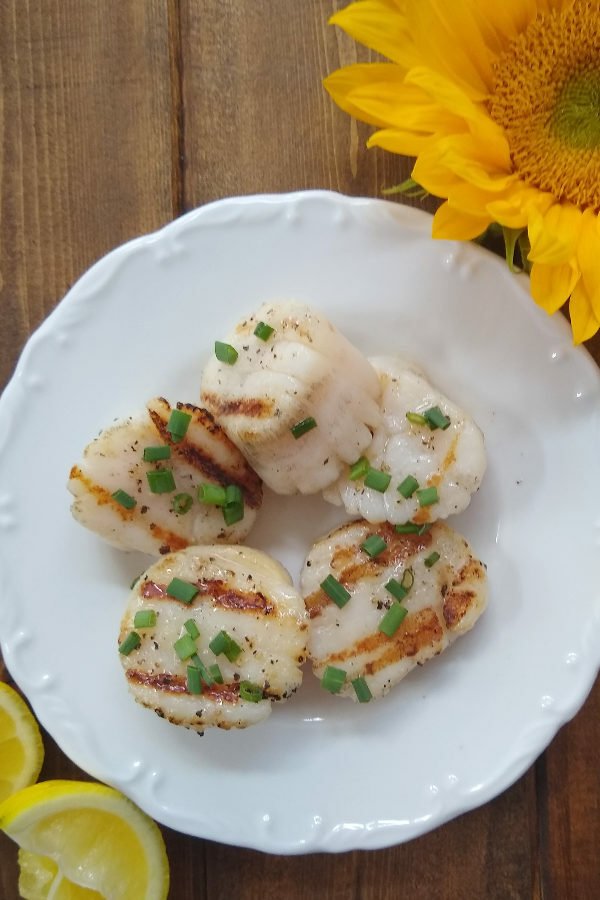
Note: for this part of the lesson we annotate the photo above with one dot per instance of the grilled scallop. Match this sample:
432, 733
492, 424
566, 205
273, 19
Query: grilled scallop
239, 612
302, 374
119, 495
447, 460
423, 590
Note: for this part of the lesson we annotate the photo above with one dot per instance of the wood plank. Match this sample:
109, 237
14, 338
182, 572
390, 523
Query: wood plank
86, 162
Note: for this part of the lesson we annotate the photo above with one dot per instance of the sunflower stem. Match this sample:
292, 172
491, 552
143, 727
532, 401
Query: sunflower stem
524, 248
410, 188
511, 236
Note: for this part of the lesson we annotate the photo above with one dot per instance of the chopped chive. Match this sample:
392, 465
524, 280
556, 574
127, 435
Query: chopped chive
416, 418
377, 480
361, 689
134, 582
250, 691
233, 512
436, 418
233, 494
181, 590
263, 331
182, 503
333, 679
396, 589
178, 424
408, 486
124, 499
374, 545
212, 493
223, 643
302, 427
131, 642
408, 579
161, 481
216, 673
335, 591
144, 618
194, 680
391, 621
407, 528
425, 527
206, 676
192, 629
431, 559
359, 469
185, 646
225, 353
152, 454
427, 496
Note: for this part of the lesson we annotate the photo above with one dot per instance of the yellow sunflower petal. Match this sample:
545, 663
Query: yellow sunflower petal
554, 234
380, 25
513, 210
458, 158
588, 256
397, 140
584, 321
354, 87
403, 106
454, 225
551, 286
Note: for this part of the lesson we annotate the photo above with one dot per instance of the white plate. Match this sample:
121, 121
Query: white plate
322, 773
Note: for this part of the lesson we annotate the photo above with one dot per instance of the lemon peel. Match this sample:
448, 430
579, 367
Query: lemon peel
21, 747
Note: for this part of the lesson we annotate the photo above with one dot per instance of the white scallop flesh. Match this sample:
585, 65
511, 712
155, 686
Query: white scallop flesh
305, 369
241, 591
447, 596
114, 461
452, 459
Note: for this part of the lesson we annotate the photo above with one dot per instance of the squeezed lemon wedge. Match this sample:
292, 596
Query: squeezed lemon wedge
84, 840
21, 747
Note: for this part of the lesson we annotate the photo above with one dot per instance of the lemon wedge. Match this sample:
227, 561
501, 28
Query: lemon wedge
84, 840
21, 747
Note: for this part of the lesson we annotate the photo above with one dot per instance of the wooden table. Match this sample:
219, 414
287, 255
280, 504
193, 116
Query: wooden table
119, 115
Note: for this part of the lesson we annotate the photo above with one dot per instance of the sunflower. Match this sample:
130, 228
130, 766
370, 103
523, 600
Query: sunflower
499, 101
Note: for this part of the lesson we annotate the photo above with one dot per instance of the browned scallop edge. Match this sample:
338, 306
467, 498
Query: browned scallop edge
219, 592
458, 599
250, 407
177, 684
166, 540
196, 457
344, 565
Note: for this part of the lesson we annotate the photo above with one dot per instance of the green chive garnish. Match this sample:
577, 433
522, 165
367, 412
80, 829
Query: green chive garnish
333, 679
335, 591
359, 469
144, 618
192, 629
250, 691
194, 680
408, 528
212, 493
391, 621
431, 559
182, 503
302, 427
225, 353
233, 512
263, 331
131, 642
178, 423
161, 481
233, 494
216, 673
427, 496
124, 499
223, 643
425, 527
408, 579
395, 589
206, 676
181, 590
408, 486
377, 480
436, 418
374, 545
361, 689
185, 646
416, 418
152, 454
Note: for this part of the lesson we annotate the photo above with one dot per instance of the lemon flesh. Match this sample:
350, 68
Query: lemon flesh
96, 838
21, 747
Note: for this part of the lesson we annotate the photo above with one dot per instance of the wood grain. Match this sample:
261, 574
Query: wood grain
116, 117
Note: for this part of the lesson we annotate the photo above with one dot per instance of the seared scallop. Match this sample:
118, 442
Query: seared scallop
428, 454
137, 484
381, 603
297, 398
213, 635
